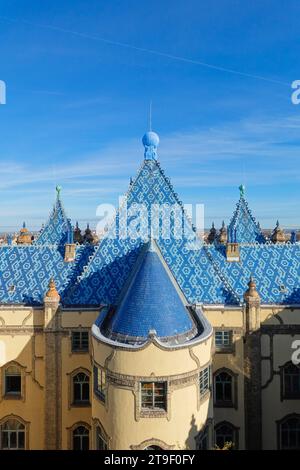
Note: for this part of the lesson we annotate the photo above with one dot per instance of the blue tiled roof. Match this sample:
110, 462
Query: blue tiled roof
25, 272
151, 302
99, 273
243, 227
275, 267
58, 229
198, 277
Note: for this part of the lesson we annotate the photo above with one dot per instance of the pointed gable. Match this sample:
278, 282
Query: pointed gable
58, 229
197, 276
243, 227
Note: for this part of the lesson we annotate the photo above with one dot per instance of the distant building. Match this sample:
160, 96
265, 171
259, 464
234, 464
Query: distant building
150, 344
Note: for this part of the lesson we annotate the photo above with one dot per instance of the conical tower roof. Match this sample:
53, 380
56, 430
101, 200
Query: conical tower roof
150, 302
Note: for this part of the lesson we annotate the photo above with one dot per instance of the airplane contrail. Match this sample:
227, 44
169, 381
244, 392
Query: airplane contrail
143, 49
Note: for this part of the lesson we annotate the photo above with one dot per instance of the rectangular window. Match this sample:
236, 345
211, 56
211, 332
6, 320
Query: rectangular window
223, 339
99, 383
205, 380
80, 341
154, 395
13, 385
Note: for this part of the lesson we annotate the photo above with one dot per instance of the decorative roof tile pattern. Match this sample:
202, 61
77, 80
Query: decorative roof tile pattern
99, 273
243, 227
197, 276
151, 302
58, 229
275, 268
25, 272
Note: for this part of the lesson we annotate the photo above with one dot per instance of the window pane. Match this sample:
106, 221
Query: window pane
81, 438
204, 380
290, 434
85, 392
153, 395
13, 384
223, 338
80, 340
21, 439
77, 392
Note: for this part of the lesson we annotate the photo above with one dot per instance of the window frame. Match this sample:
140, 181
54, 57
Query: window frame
283, 394
224, 348
204, 390
235, 433
279, 430
233, 403
80, 349
104, 436
11, 395
25, 431
154, 394
72, 431
79, 403
101, 392
7, 375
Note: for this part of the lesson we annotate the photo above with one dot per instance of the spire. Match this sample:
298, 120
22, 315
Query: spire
52, 293
77, 234
150, 116
223, 234
212, 234
278, 235
251, 293
24, 237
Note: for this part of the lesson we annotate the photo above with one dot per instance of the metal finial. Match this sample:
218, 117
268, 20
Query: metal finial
58, 190
150, 116
242, 190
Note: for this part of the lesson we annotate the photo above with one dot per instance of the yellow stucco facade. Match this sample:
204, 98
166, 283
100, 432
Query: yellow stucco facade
38, 343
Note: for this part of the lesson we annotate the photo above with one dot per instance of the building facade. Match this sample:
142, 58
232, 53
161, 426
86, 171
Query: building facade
151, 341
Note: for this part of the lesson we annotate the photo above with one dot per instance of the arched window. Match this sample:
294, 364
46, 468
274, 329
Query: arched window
226, 433
13, 380
290, 380
289, 433
12, 435
224, 394
101, 439
81, 438
81, 388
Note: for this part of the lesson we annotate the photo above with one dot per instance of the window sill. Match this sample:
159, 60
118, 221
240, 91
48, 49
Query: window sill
291, 397
80, 351
80, 404
224, 404
225, 350
153, 413
12, 396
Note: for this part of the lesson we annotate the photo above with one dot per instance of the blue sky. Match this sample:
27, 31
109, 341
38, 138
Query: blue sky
80, 76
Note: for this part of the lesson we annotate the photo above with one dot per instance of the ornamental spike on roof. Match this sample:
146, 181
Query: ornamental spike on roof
243, 227
58, 230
